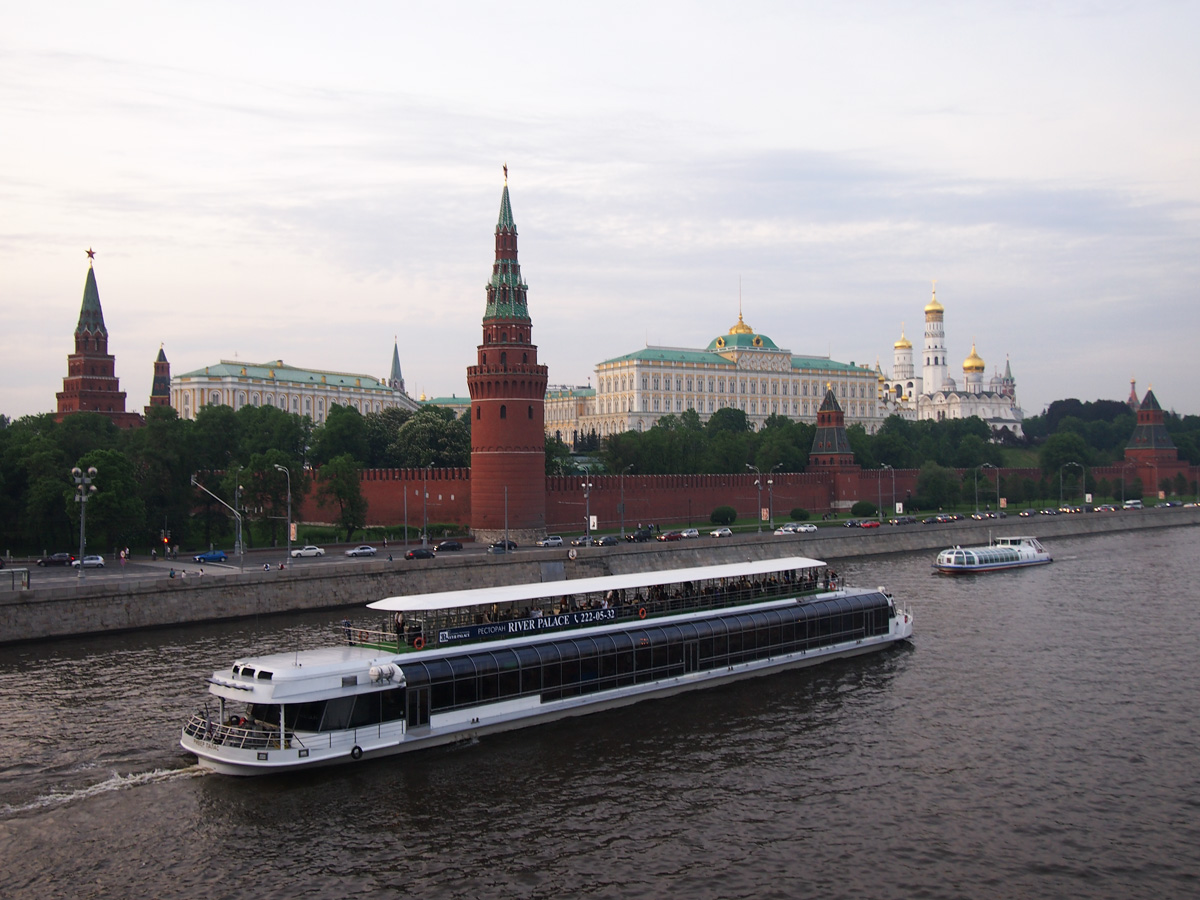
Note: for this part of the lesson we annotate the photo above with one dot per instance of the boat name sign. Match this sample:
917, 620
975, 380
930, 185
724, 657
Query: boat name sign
523, 626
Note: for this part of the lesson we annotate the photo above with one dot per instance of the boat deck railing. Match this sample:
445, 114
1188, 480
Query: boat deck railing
417, 637
248, 736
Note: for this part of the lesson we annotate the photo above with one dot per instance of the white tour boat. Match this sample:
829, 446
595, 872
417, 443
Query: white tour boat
1002, 553
457, 665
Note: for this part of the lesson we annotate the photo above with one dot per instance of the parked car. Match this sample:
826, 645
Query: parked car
210, 556
307, 550
671, 536
551, 540
584, 540
690, 533
608, 540
90, 562
721, 532
362, 550
447, 545
419, 553
57, 559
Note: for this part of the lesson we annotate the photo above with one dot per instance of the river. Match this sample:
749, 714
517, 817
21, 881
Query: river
1038, 738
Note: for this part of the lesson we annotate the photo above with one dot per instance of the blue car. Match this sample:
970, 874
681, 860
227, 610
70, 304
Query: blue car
210, 556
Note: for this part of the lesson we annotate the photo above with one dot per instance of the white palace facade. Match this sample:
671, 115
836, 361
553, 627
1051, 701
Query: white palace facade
741, 370
306, 392
931, 393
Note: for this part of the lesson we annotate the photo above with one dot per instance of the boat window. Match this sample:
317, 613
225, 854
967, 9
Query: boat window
304, 716
264, 675
337, 713
391, 704
247, 672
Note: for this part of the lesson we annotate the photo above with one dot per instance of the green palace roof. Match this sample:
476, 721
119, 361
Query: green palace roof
452, 402
279, 372
713, 358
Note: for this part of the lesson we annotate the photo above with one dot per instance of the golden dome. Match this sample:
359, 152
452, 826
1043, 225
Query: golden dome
741, 327
904, 343
973, 363
933, 306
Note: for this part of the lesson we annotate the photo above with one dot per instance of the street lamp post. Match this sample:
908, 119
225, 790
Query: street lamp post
997, 468
758, 485
893, 471
84, 490
237, 516
425, 507
587, 505
623, 471
1082, 472
288, 473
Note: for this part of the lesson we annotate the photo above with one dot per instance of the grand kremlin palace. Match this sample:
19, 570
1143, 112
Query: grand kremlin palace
307, 392
742, 369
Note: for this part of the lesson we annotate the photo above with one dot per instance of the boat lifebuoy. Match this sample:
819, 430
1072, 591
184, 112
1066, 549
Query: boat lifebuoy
356, 753
419, 644
642, 613
572, 553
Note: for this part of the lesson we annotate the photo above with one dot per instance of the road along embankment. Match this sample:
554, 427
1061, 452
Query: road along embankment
109, 606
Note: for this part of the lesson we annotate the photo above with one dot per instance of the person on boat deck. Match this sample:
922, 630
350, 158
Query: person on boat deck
399, 623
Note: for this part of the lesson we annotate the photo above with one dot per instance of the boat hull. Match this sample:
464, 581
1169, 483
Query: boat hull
393, 738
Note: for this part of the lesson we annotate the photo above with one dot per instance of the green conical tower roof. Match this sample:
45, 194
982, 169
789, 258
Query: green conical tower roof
91, 316
506, 290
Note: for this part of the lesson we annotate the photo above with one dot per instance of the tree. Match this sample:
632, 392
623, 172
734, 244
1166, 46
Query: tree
937, 486
266, 491
1060, 449
381, 430
433, 436
558, 457
339, 483
344, 432
116, 515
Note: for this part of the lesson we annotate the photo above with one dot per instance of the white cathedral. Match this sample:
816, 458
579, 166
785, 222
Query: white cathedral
933, 394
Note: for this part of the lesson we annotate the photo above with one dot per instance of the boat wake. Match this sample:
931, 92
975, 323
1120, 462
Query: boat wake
113, 783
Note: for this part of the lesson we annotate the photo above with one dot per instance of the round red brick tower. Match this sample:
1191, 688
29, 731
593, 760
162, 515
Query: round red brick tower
508, 396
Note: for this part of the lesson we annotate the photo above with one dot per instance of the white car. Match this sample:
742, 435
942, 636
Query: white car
551, 540
808, 527
90, 562
360, 550
721, 532
309, 550
689, 533
788, 528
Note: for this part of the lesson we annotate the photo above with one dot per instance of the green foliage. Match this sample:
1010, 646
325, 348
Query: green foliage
558, 458
344, 433
723, 515
937, 486
432, 436
799, 514
1063, 448
339, 484
864, 509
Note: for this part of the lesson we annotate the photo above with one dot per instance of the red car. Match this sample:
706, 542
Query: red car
869, 523
671, 536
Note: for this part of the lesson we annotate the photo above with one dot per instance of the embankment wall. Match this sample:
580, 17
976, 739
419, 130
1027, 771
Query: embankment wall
130, 605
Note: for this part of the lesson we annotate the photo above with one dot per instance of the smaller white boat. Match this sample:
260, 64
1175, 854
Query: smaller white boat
1002, 553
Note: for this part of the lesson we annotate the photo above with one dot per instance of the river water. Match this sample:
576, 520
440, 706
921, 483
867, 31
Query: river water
1038, 738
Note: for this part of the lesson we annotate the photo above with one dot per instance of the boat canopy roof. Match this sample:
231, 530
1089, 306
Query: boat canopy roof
520, 593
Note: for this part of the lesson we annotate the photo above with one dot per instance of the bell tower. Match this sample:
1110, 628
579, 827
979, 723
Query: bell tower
508, 396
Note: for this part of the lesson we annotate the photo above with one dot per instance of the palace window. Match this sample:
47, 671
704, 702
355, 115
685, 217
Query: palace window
689, 384
678, 383
644, 382
503, 411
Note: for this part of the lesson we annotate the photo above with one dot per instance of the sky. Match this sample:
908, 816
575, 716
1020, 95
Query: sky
311, 182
